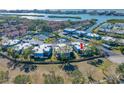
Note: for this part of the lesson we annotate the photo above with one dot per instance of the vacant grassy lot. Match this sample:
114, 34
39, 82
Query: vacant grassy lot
98, 73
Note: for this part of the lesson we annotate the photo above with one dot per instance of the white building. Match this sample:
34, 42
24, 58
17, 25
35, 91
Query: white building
69, 30
22, 46
10, 42
42, 51
80, 33
107, 38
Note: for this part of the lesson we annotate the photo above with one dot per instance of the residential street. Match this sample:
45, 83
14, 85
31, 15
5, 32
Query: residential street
112, 56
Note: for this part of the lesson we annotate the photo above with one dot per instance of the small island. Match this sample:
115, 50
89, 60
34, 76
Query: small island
74, 17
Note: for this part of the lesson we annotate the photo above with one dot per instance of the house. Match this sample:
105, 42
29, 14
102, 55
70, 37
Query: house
62, 40
63, 51
107, 38
10, 42
78, 47
22, 46
69, 31
80, 33
93, 35
75, 36
42, 51
107, 46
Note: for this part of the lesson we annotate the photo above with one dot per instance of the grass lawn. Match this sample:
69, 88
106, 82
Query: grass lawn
116, 51
105, 64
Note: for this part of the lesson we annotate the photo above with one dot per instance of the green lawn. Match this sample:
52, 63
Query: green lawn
1, 20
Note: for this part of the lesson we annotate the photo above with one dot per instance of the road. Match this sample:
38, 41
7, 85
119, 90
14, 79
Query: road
112, 56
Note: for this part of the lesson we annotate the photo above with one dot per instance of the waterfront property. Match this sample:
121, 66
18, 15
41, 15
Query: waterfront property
117, 28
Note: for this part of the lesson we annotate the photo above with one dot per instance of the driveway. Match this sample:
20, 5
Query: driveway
117, 59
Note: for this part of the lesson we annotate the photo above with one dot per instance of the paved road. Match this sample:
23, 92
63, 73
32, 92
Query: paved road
112, 56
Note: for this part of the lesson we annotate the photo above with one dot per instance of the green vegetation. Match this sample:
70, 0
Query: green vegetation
4, 76
97, 62
113, 21
11, 52
91, 51
116, 21
110, 34
2, 20
75, 17
122, 50
39, 25
77, 77
26, 53
22, 79
32, 15
52, 78
49, 40
104, 64
112, 43
121, 68
46, 28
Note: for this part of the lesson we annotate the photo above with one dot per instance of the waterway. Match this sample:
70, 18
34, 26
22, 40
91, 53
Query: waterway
100, 18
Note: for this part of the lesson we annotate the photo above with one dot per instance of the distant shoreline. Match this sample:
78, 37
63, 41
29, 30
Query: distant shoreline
106, 12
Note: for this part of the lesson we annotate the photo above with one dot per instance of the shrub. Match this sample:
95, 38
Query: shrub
22, 79
122, 50
4, 76
53, 79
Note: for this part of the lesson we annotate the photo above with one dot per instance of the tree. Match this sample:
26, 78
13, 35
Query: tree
121, 68
0, 39
22, 79
79, 80
10, 52
122, 50
46, 28
77, 77
26, 53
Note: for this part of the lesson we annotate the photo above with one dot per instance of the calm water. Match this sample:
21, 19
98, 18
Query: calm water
100, 18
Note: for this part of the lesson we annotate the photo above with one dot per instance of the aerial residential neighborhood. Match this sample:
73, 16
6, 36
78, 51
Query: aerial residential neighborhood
71, 47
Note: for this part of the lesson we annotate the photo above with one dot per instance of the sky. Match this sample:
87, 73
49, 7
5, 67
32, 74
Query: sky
61, 4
